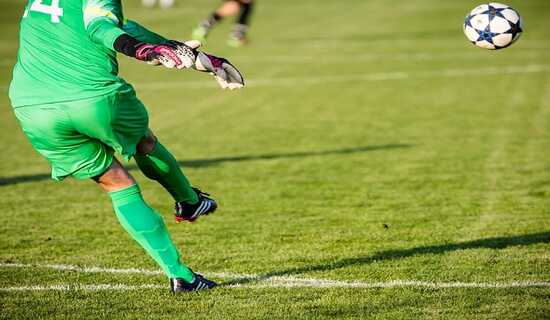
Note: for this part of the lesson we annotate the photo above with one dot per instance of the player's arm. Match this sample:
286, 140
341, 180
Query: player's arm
103, 20
227, 76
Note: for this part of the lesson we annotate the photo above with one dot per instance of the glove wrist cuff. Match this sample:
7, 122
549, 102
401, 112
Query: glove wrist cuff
131, 47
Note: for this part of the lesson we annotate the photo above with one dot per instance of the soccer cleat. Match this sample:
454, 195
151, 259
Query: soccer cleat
237, 38
236, 42
177, 285
200, 33
191, 212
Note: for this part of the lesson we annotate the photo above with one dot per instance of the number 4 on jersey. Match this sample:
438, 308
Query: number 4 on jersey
53, 9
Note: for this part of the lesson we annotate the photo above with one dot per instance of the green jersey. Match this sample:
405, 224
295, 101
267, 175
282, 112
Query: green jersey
66, 51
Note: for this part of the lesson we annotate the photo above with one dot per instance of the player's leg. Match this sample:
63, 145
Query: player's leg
147, 228
121, 122
158, 164
54, 131
238, 36
140, 221
228, 8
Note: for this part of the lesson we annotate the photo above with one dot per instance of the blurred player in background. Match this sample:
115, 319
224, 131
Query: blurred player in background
77, 112
164, 4
229, 8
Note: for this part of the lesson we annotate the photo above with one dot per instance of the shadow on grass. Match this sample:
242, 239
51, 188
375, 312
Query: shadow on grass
489, 243
199, 163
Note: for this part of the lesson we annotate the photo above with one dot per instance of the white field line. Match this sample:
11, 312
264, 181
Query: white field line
277, 282
360, 77
67, 267
256, 281
311, 284
85, 287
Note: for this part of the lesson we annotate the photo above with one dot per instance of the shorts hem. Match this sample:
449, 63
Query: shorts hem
89, 174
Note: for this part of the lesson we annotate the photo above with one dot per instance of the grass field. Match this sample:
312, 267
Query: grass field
377, 166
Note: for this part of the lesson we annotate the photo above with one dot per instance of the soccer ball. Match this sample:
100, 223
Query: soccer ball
493, 26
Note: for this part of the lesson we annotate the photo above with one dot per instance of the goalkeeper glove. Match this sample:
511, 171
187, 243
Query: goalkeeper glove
172, 54
227, 76
181, 55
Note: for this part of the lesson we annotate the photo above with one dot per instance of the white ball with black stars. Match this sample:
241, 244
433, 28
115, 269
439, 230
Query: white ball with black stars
493, 26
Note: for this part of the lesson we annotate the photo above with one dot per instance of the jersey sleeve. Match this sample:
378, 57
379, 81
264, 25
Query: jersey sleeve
141, 33
103, 20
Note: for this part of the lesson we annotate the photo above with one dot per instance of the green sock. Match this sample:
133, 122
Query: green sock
161, 166
148, 229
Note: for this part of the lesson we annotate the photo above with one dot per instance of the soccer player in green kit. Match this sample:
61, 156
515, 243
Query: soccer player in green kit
77, 113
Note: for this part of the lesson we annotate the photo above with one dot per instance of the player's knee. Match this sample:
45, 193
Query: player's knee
229, 8
121, 178
146, 144
115, 178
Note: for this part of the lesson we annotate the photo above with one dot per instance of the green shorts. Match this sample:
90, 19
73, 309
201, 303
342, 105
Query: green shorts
79, 138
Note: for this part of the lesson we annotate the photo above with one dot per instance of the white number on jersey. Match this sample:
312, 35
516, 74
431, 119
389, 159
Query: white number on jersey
53, 9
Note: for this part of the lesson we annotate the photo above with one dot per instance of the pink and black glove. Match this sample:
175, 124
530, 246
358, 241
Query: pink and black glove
172, 54
226, 74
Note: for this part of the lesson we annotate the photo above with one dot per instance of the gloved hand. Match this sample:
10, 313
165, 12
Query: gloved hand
226, 74
170, 54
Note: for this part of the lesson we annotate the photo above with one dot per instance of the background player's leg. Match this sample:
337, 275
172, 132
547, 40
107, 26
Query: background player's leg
228, 8
157, 163
238, 35
141, 222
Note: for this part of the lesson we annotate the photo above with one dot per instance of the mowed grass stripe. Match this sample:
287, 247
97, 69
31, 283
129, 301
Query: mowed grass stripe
381, 76
367, 77
498, 157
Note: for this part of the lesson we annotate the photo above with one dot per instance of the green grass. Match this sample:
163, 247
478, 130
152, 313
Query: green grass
438, 177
